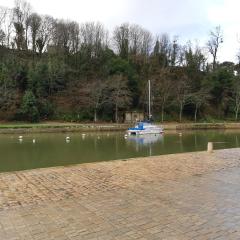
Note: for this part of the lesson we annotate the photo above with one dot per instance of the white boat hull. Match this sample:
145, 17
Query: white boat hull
146, 131
145, 128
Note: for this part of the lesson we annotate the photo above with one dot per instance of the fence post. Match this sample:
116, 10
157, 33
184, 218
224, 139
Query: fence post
210, 147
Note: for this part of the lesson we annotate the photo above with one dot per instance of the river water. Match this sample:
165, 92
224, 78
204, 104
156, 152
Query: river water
51, 149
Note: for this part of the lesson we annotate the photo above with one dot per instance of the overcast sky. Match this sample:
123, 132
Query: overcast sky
188, 19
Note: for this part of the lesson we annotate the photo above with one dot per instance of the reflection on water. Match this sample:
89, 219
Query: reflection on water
147, 139
44, 150
144, 140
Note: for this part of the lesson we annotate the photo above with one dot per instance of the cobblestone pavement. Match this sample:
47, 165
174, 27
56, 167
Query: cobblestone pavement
179, 196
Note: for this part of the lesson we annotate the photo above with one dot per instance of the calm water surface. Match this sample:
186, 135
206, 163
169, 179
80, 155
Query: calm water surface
53, 150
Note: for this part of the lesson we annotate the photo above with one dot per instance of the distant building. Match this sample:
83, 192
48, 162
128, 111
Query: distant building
134, 116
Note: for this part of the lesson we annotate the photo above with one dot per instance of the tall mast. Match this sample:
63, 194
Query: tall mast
149, 100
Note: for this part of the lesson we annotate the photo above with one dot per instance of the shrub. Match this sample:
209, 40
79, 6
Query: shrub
29, 110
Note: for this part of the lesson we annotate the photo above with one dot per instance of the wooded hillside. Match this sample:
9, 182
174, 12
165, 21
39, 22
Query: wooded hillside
57, 69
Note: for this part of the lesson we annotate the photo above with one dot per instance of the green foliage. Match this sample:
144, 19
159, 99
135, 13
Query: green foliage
74, 117
38, 80
20, 77
57, 75
128, 69
29, 110
46, 109
74, 74
220, 82
119, 66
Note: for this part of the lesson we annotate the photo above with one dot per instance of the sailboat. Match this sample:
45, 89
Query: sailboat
146, 127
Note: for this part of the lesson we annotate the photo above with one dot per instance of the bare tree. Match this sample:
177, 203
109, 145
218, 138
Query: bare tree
147, 42
183, 93
93, 38
194, 57
90, 96
97, 96
19, 39
2, 37
167, 51
132, 40
45, 33
199, 98
216, 38
120, 95
3, 13
74, 32
135, 39
162, 90
6, 23
236, 96
61, 36
34, 23
21, 13
121, 40
27, 9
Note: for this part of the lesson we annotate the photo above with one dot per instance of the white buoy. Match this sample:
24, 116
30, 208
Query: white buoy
67, 138
34, 140
125, 136
180, 134
20, 137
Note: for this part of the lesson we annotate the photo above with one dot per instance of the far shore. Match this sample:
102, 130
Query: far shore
91, 127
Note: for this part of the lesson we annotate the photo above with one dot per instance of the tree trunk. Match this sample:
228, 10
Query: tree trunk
236, 113
116, 113
195, 114
162, 113
180, 112
26, 38
95, 115
214, 61
34, 44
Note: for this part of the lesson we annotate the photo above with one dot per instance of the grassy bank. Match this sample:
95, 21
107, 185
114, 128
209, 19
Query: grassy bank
85, 127
59, 127
204, 126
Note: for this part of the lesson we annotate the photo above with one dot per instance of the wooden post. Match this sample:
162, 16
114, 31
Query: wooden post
210, 147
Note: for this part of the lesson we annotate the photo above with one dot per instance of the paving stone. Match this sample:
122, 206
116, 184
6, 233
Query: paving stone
179, 196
